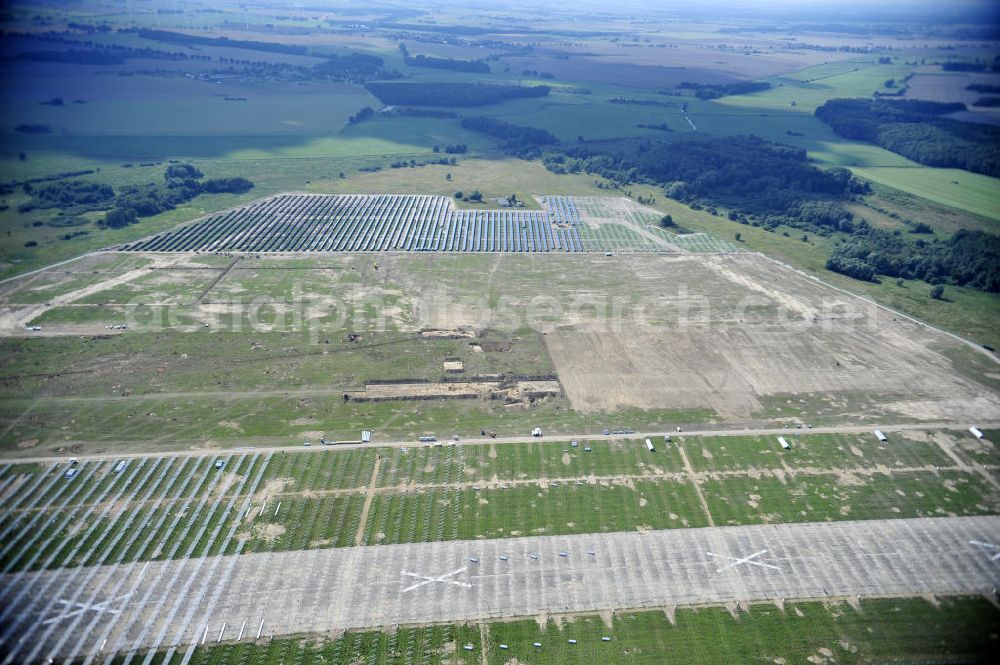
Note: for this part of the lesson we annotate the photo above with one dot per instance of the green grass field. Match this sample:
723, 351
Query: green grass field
976, 193
881, 630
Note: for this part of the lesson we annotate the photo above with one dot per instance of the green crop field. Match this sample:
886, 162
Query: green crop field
812, 86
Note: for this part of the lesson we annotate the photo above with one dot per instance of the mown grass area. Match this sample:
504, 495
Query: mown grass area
978, 194
522, 461
764, 498
144, 423
961, 629
985, 450
216, 362
569, 508
303, 523
821, 451
430, 645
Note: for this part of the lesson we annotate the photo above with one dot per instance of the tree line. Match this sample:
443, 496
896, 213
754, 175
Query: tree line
108, 55
917, 130
716, 90
181, 183
197, 40
524, 142
746, 173
968, 258
353, 67
768, 185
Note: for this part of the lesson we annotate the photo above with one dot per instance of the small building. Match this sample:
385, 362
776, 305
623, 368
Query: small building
536, 432
649, 446
976, 432
427, 439
880, 436
366, 436
784, 444
71, 472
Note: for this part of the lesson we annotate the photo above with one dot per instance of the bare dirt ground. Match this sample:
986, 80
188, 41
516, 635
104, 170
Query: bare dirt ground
785, 335
519, 390
735, 334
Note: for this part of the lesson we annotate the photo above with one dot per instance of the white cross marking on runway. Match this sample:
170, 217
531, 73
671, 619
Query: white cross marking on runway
988, 546
441, 578
734, 561
100, 608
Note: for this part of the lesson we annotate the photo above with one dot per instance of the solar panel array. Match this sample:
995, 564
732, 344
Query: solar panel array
373, 223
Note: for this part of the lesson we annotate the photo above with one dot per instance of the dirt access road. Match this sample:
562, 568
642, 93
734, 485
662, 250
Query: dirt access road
265, 446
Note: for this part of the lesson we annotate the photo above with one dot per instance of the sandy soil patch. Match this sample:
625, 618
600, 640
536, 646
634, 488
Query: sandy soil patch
230, 424
450, 333
487, 389
267, 532
734, 332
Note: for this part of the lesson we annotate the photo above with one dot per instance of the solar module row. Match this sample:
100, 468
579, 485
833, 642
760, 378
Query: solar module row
373, 223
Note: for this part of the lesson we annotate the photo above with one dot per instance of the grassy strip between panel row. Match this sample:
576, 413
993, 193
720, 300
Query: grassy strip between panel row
427, 494
880, 630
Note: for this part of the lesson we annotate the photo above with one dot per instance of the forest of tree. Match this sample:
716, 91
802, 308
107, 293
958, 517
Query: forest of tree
405, 112
746, 173
197, 40
524, 142
474, 66
451, 94
182, 182
917, 130
353, 67
74, 194
768, 185
968, 258
716, 90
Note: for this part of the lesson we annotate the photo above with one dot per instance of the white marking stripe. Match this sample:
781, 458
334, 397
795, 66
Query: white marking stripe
739, 561
442, 578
